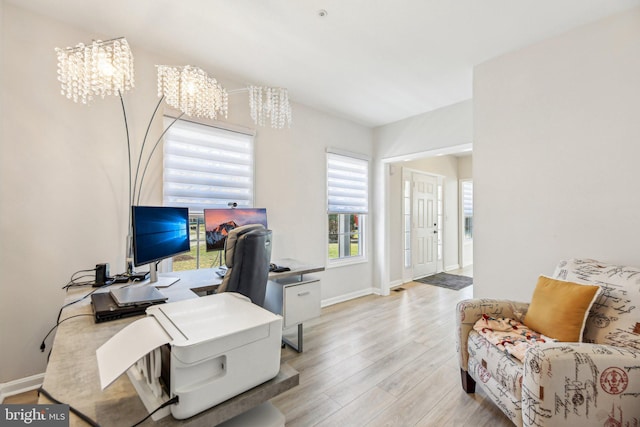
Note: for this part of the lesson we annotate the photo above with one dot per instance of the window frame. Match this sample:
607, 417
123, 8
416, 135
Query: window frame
362, 213
198, 214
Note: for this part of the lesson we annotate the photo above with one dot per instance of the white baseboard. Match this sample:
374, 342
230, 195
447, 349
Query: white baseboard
398, 282
347, 297
452, 267
20, 385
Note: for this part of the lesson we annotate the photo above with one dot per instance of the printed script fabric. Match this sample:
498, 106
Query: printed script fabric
615, 315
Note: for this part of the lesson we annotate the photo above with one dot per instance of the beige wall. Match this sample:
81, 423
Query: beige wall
556, 156
63, 181
465, 167
444, 127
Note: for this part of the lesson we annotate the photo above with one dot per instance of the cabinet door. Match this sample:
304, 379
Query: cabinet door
301, 303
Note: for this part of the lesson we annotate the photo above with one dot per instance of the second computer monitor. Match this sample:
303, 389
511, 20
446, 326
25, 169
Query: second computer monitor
219, 222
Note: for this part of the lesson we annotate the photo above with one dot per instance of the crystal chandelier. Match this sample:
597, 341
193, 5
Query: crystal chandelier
270, 103
106, 68
190, 90
100, 69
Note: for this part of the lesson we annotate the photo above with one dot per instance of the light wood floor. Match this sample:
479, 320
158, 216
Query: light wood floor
385, 361
28, 398
381, 361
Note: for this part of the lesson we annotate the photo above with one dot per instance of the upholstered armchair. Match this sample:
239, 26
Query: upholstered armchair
595, 382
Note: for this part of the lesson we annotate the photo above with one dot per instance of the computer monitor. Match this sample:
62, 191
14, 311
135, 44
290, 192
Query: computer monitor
159, 232
219, 222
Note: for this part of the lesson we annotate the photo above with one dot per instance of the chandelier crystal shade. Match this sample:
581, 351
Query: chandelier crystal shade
99, 69
270, 103
106, 68
190, 90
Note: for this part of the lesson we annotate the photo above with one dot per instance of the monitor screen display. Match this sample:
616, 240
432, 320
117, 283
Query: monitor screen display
219, 222
159, 232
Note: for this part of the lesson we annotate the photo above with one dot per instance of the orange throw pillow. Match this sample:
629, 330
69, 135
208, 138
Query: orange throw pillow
559, 309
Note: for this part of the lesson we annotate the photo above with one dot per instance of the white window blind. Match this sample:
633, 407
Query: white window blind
467, 198
347, 184
206, 167
467, 208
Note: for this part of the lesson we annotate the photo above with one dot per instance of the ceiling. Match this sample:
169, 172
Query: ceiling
373, 62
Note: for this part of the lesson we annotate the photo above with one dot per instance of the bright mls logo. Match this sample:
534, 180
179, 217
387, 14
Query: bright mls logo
34, 415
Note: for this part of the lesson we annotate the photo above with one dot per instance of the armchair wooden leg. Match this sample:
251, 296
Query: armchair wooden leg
468, 383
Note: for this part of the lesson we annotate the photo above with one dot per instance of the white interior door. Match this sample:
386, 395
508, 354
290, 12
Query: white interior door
424, 224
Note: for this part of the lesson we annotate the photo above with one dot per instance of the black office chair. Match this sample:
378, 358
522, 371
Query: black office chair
247, 257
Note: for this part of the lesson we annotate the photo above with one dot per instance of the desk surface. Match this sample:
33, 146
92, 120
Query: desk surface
297, 269
72, 372
205, 279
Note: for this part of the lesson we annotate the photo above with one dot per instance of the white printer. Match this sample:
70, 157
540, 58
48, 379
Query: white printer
206, 350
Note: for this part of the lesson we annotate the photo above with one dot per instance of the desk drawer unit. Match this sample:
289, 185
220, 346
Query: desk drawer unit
297, 301
301, 302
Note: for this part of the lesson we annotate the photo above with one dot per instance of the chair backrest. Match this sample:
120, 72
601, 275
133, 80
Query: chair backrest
247, 257
614, 318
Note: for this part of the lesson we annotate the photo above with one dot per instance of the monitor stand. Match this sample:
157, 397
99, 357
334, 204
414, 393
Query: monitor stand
160, 282
135, 277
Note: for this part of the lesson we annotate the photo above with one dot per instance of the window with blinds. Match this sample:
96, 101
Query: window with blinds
467, 209
347, 205
206, 167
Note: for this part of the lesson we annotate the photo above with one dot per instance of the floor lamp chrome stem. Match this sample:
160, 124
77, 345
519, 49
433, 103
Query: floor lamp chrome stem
144, 171
136, 189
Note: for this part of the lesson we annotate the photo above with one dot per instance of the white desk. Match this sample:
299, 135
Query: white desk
72, 372
292, 294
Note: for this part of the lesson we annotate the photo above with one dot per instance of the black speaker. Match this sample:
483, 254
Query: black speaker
102, 274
